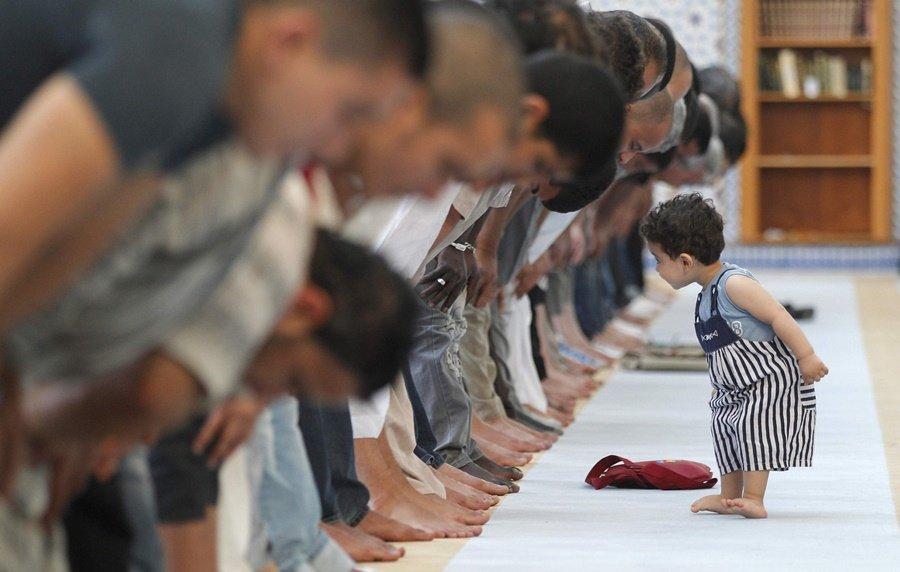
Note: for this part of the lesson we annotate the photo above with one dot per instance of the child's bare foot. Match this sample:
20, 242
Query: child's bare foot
711, 503
748, 508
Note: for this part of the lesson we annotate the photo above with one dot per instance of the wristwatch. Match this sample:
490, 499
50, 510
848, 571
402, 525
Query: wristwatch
463, 247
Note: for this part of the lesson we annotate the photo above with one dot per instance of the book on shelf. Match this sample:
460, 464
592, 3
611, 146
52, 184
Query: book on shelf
793, 73
789, 73
839, 19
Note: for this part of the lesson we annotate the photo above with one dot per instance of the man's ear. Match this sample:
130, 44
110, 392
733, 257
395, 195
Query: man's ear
535, 110
312, 308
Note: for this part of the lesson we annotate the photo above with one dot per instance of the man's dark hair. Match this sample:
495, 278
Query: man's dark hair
619, 48
733, 133
692, 117
548, 25
662, 159
370, 30
587, 108
371, 328
722, 88
687, 224
702, 132
577, 195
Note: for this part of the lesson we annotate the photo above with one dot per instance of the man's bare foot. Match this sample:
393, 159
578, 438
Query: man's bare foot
489, 487
546, 438
503, 437
711, 503
361, 546
561, 402
546, 417
564, 419
581, 388
748, 508
391, 530
464, 495
560, 393
451, 510
503, 455
543, 440
406, 510
477, 471
500, 471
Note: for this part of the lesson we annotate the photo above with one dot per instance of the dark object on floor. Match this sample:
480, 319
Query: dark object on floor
650, 362
800, 314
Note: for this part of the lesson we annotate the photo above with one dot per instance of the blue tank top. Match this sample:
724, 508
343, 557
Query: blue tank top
742, 323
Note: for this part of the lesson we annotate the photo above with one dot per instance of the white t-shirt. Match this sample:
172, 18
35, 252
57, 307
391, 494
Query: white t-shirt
471, 205
554, 225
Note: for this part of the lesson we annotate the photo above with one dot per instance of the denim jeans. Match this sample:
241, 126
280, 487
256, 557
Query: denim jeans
328, 436
140, 510
288, 500
436, 373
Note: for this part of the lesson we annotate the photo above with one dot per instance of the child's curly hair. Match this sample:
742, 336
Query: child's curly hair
687, 224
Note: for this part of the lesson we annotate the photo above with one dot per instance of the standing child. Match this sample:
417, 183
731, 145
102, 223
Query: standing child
763, 415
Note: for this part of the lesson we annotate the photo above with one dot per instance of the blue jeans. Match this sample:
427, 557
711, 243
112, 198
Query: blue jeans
288, 500
140, 509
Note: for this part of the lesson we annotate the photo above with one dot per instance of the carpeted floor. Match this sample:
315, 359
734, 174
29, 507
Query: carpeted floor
837, 515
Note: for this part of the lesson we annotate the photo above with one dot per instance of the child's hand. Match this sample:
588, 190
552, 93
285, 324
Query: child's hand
812, 368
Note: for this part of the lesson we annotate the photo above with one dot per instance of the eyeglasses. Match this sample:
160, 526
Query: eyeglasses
671, 55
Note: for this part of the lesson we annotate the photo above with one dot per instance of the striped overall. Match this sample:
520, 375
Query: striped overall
763, 418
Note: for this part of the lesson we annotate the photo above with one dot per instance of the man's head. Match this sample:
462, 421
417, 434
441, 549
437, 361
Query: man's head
308, 73
463, 125
571, 197
722, 88
733, 133
631, 48
684, 235
571, 123
350, 328
697, 141
548, 25
648, 124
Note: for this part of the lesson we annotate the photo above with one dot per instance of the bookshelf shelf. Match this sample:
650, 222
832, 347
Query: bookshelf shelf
814, 161
817, 169
801, 238
776, 97
814, 43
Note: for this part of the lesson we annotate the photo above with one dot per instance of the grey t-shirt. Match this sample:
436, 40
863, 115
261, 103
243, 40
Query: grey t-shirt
157, 276
742, 322
154, 70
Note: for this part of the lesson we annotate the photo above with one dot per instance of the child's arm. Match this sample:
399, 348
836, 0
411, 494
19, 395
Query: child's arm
752, 297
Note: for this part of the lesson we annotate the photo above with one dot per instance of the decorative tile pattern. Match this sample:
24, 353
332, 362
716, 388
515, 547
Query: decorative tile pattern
710, 30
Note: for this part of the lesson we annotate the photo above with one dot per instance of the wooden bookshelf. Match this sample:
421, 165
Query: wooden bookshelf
817, 169
777, 97
824, 43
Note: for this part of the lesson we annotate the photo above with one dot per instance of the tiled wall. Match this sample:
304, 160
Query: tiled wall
710, 31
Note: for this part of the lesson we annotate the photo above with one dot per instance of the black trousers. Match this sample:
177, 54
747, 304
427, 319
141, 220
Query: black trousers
328, 436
